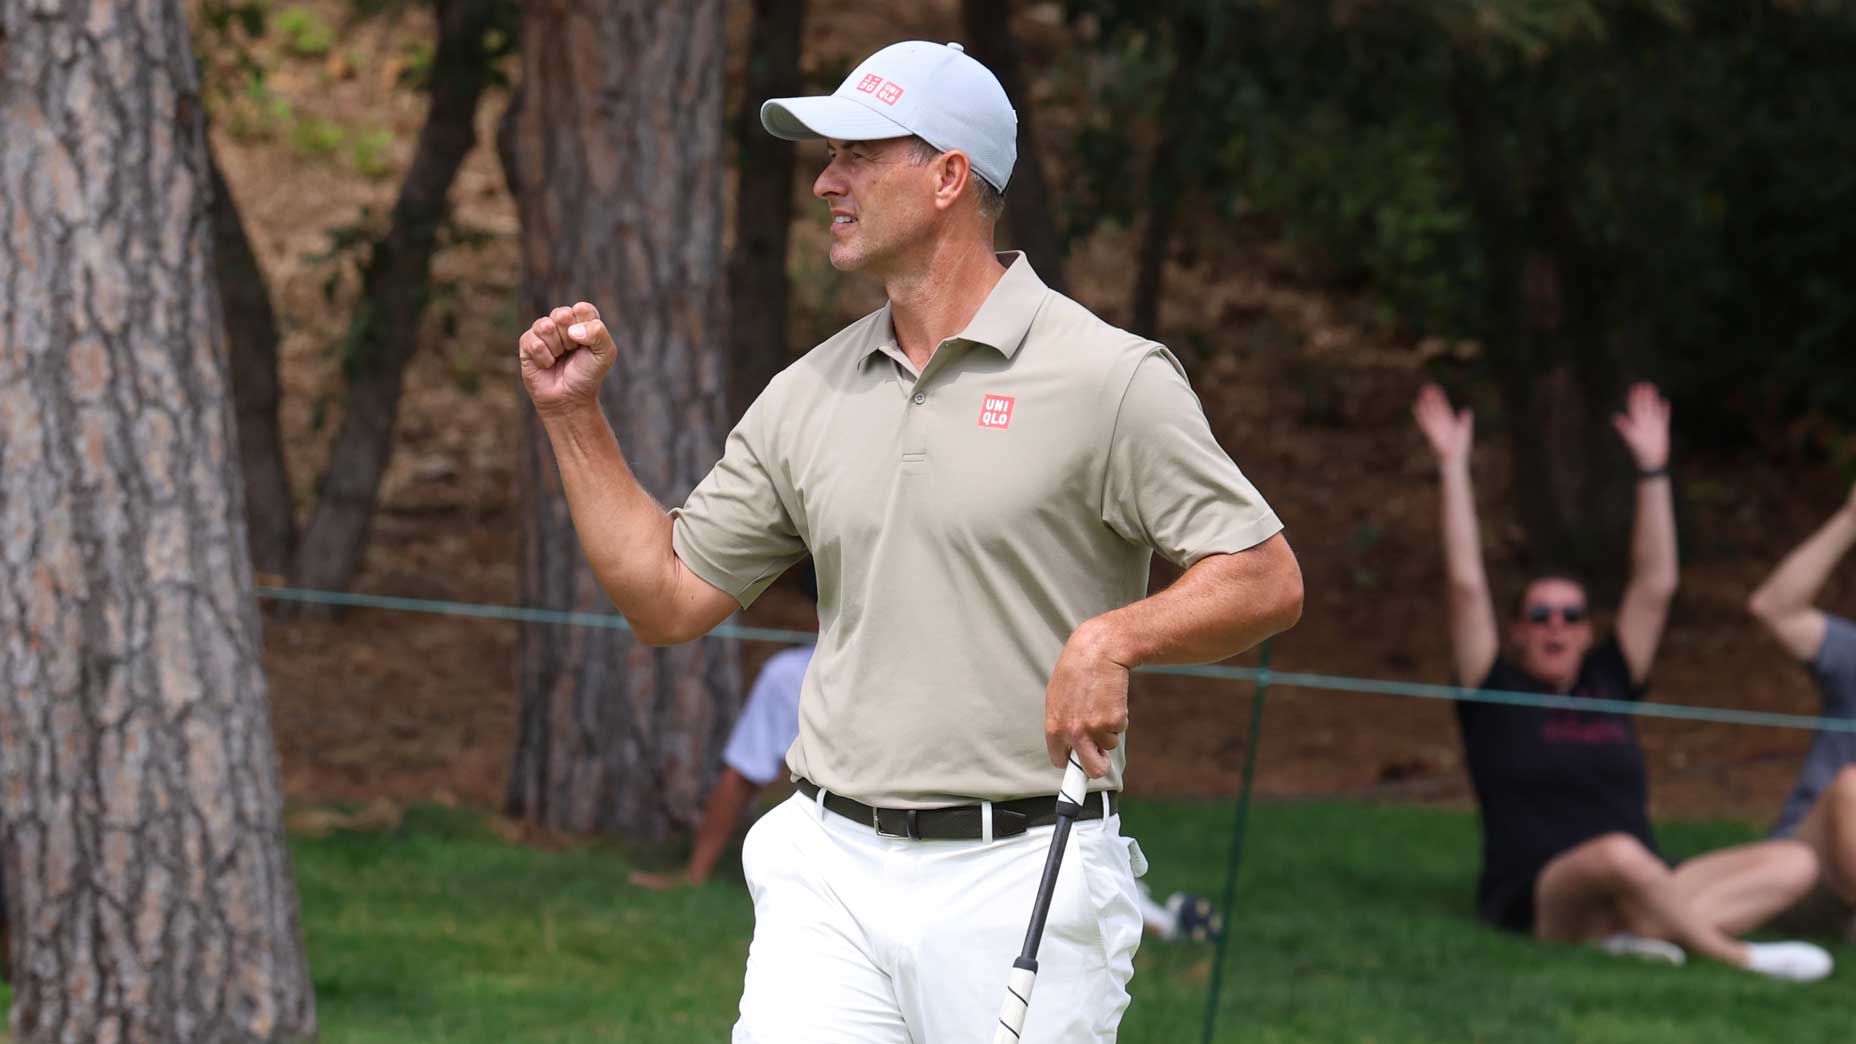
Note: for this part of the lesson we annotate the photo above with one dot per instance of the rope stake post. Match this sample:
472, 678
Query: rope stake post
1228, 897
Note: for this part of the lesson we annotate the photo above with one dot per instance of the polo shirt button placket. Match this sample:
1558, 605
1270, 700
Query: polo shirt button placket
921, 397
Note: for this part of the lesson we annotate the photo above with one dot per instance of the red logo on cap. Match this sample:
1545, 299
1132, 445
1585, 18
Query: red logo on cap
996, 411
889, 94
870, 83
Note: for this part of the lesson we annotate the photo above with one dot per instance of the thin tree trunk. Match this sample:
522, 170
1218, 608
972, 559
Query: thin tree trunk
140, 818
1029, 221
396, 285
617, 155
251, 338
1167, 181
763, 205
1547, 346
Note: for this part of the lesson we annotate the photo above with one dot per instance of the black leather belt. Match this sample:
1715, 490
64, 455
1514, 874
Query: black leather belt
957, 822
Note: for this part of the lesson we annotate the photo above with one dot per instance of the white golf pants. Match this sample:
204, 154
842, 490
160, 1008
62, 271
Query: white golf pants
862, 939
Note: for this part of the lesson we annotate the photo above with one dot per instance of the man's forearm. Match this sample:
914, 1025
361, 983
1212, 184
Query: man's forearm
624, 532
1795, 583
1221, 606
1653, 538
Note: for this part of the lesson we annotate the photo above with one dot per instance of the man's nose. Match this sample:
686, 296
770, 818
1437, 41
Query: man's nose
828, 183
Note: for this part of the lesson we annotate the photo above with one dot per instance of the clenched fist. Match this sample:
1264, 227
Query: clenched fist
564, 356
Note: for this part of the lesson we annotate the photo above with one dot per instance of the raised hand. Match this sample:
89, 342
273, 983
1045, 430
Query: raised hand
1451, 433
564, 356
1644, 426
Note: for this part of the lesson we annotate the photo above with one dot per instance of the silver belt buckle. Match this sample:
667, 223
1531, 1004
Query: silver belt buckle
911, 832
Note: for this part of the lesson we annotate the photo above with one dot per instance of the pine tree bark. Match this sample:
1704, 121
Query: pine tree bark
147, 878
251, 338
616, 159
763, 205
396, 285
1029, 220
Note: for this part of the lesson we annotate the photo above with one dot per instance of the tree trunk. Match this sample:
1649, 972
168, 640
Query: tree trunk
1167, 180
617, 156
1028, 218
251, 339
140, 821
395, 287
1542, 323
763, 205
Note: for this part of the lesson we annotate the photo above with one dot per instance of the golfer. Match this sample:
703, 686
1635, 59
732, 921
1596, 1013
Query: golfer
981, 471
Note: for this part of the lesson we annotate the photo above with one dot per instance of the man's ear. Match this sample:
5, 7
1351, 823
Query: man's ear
952, 171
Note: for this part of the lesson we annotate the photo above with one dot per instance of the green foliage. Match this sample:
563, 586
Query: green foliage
416, 65
306, 33
317, 136
1682, 164
368, 152
223, 17
255, 113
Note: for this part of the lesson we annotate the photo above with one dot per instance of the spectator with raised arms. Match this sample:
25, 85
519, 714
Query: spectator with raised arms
1568, 853
1821, 809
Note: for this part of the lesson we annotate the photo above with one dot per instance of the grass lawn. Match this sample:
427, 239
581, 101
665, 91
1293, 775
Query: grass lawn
1352, 924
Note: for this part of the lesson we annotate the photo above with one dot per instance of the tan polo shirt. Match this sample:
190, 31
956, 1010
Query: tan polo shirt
963, 522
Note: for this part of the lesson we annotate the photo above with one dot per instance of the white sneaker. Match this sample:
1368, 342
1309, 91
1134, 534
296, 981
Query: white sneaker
1791, 961
1624, 944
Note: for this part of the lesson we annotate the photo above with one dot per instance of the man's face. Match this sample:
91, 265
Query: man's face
1554, 631
881, 199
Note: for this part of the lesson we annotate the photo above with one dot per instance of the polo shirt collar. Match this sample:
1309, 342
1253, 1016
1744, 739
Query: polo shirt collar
1002, 321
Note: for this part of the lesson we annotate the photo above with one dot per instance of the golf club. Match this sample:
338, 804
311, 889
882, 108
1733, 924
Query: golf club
1025, 969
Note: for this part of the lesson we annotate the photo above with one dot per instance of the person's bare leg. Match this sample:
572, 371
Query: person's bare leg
1613, 881
1739, 889
727, 802
1830, 830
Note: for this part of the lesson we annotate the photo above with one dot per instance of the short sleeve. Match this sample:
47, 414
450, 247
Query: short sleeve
735, 530
1834, 666
1169, 484
1608, 667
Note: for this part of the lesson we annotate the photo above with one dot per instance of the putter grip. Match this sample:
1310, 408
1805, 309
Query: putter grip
1075, 787
1017, 1002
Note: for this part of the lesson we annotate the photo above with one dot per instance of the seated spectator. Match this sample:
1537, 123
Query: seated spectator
756, 756
1821, 809
1568, 854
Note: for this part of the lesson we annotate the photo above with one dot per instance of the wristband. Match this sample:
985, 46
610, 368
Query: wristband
1650, 473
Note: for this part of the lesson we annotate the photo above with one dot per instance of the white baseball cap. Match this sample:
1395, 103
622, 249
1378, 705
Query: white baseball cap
937, 93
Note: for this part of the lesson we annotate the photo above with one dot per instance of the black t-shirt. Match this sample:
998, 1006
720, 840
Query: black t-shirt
1548, 780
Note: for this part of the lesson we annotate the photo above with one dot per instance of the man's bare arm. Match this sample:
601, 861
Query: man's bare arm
1642, 614
1221, 606
1784, 602
626, 534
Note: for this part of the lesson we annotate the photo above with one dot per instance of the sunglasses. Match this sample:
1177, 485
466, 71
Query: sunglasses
1571, 614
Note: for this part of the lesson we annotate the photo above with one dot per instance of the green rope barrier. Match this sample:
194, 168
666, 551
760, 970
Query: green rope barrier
1228, 897
1290, 679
